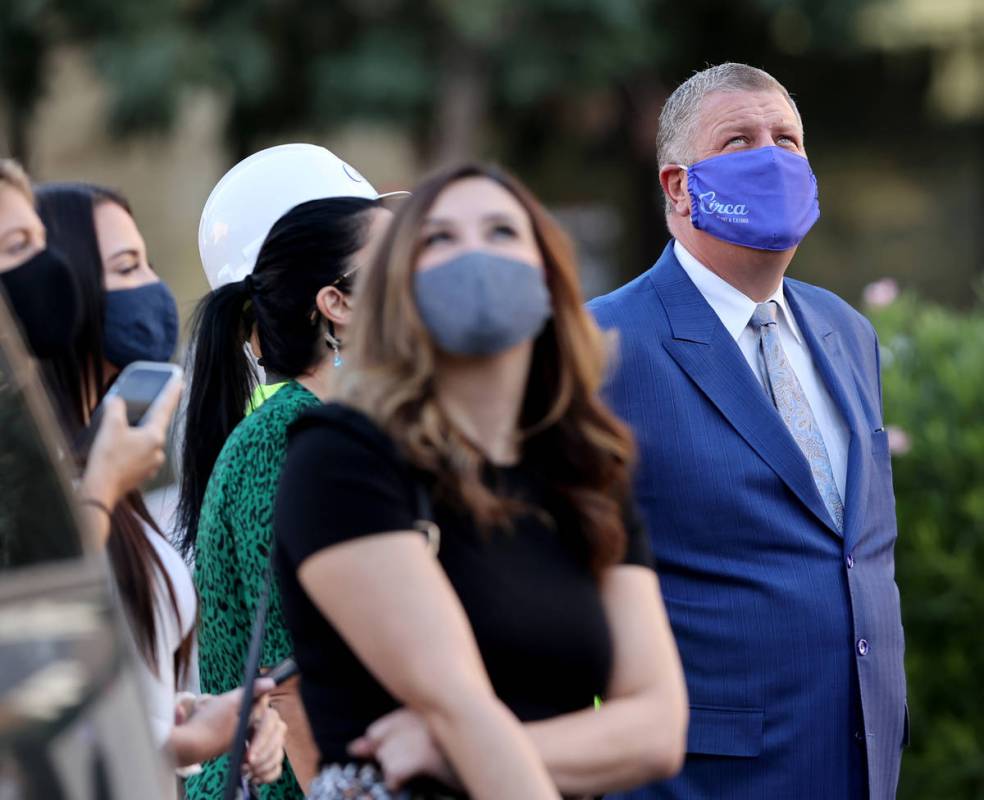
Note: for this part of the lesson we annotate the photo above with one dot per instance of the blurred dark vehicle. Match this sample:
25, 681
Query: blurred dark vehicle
72, 724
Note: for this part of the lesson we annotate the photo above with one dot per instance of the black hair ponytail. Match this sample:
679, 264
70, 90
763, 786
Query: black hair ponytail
308, 248
222, 378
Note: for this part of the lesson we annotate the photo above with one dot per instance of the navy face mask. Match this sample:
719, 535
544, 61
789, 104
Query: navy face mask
479, 304
764, 198
44, 295
140, 325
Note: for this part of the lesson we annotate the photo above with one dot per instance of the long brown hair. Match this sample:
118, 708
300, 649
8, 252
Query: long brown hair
584, 450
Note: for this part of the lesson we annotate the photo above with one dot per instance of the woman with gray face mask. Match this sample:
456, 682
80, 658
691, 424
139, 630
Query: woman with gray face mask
532, 656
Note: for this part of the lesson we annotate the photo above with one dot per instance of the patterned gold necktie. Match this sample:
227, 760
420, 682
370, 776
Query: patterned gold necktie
792, 405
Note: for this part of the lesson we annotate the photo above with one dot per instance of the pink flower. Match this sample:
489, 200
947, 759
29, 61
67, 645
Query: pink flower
899, 442
881, 293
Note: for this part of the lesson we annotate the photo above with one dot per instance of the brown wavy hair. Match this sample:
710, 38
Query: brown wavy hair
567, 431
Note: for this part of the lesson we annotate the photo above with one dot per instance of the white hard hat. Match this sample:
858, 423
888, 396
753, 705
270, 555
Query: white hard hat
259, 190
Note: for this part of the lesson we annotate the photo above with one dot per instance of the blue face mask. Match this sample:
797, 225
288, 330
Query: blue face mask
140, 325
766, 198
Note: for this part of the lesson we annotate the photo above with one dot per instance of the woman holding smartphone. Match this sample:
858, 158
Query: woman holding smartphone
472, 382
127, 315
122, 458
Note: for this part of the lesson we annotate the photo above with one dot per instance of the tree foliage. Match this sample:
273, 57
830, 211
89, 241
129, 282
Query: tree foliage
445, 71
933, 361
24, 45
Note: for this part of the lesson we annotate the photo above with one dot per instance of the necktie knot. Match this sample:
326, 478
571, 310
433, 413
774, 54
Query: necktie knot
765, 314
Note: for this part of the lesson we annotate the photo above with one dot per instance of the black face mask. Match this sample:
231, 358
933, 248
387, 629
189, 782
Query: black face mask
44, 295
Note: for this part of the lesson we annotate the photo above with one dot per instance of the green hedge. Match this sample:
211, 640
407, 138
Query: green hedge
933, 377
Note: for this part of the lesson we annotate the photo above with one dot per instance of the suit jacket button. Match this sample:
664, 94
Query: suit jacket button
863, 647
850, 561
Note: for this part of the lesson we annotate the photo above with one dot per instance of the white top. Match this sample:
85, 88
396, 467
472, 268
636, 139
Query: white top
160, 690
735, 310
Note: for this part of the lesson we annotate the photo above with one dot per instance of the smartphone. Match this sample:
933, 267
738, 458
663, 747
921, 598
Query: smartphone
139, 384
284, 671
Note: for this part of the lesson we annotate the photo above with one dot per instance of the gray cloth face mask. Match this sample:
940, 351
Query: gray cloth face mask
479, 304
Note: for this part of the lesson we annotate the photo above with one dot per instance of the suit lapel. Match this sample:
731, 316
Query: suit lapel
704, 349
828, 356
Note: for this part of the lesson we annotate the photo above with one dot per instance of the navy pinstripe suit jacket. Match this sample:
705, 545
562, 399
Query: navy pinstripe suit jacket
790, 632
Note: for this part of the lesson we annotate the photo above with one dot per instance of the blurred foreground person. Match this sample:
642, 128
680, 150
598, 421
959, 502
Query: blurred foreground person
127, 314
765, 475
293, 310
470, 402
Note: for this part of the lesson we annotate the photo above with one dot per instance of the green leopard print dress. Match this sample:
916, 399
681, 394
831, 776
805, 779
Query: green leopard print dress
235, 538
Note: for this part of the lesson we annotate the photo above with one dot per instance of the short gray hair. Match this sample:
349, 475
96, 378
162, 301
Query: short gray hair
680, 114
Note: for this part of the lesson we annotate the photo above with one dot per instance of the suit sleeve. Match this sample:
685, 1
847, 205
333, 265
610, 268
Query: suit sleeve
638, 551
878, 374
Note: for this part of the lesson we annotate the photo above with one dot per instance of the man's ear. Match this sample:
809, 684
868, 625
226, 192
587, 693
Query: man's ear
673, 179
334, 305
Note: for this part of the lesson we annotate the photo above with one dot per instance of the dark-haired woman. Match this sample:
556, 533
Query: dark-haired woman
473, 375
127, 314
293, 311
122, 458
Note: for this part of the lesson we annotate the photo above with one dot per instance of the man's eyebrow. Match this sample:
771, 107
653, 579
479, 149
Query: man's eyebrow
740, 125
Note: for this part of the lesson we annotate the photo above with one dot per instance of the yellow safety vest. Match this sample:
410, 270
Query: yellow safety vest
261, 394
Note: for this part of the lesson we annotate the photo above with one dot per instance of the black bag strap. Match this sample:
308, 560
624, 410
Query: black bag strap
425, 517
234, 781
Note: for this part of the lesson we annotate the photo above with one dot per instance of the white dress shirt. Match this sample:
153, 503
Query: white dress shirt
735, 310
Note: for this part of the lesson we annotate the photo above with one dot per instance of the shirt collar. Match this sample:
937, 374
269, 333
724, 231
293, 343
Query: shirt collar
733, 308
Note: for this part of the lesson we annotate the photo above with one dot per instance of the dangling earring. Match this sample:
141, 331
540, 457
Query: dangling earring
333, 343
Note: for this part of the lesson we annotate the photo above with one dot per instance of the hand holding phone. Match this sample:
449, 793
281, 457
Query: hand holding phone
142, 386
123, 457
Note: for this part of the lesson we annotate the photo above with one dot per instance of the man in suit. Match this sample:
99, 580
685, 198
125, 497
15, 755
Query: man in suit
764, 475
